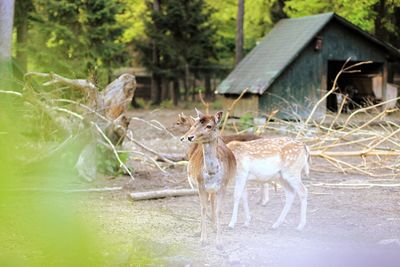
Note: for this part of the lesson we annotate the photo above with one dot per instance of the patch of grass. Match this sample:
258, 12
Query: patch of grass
246, 121
168, 104
143, 103
217, 104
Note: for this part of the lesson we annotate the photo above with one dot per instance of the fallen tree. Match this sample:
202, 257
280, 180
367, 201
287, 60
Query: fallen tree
99, 114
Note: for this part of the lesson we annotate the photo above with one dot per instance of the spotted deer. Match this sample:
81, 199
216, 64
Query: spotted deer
282, 159
184, 123
211, 165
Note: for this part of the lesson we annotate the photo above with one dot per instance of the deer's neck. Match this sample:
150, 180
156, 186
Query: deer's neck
210, 154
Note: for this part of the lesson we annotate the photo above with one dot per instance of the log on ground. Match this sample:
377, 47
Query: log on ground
162, 194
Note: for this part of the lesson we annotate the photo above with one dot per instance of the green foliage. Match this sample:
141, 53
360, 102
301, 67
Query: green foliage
246, 121
77, 38
360, 12
217, 104
107, 163
258, 20
133, 20
183, 36
38, 229
168, 104
143, 103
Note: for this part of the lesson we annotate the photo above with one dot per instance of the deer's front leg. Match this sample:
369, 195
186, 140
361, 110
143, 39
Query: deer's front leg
203, 210
213, 208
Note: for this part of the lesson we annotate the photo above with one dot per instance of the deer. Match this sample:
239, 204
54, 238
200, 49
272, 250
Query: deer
211, 165
281, 159
184, 123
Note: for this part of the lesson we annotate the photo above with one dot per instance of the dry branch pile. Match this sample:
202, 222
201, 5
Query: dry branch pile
369, 145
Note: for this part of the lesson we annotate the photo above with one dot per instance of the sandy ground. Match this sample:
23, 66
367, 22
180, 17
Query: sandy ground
347, 221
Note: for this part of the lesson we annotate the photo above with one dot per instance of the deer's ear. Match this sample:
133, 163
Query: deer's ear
199, 113
182, 117
218, 117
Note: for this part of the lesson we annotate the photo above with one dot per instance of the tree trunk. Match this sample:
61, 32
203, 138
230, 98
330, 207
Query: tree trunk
22, 34
6, 27
175, 92
155, 89
194, 88
156, 85
395, 40
186, 83
239, 32
207, 87
21, 21
380, 31
164, 89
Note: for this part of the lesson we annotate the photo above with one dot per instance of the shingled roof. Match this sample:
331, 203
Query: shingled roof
258, 70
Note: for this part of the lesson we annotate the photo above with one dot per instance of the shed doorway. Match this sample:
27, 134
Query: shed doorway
361, 88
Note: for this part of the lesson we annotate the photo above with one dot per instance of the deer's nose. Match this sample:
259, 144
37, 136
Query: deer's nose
190, 138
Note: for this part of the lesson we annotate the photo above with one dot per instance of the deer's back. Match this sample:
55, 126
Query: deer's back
227, 139
240, 137
283, 153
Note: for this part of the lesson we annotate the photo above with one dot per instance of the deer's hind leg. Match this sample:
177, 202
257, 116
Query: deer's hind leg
302, 192
246, 208
240, 186
289, 197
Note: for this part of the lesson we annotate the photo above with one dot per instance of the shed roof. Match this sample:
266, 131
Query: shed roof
280, 47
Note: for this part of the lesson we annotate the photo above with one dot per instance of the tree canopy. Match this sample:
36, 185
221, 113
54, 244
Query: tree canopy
75, 38
90, 38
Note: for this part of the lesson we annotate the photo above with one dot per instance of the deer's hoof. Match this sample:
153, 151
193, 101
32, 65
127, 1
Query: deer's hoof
300, 227
231, 225
275, 226
247, 223
264, 203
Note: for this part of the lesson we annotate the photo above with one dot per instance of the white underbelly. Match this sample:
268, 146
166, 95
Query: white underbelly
264, 169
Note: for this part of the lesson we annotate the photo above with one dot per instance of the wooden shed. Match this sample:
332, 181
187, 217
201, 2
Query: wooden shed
296, 63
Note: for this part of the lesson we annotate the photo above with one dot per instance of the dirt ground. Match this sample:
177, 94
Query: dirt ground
345, 222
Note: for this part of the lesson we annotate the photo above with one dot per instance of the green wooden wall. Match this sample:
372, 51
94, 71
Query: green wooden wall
302, 84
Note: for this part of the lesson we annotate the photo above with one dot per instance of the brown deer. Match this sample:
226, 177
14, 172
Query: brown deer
184, 123
283, 159
211, 165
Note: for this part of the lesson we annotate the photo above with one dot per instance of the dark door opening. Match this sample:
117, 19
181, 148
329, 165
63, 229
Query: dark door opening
360, 88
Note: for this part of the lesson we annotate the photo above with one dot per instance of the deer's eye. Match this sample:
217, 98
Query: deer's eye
208, 126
